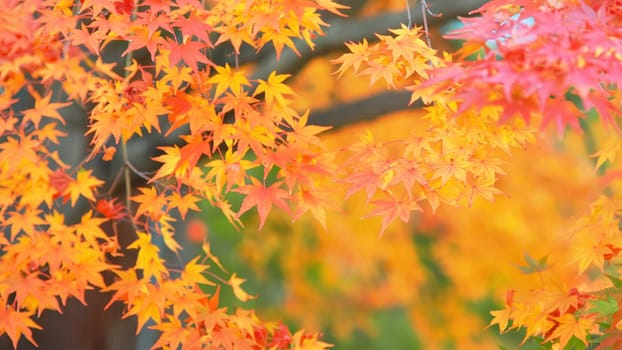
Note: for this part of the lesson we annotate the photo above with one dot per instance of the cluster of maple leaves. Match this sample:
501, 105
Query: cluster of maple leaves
531, 57
557, 61
52, 50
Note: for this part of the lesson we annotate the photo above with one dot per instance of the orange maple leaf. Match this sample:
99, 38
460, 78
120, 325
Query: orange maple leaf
569, 326
257, 194
16, 323
393, 208
151, 203
183, 202
82, 186
43, 108
172, 163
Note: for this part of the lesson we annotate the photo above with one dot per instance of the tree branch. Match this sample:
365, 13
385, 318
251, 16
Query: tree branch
365, 109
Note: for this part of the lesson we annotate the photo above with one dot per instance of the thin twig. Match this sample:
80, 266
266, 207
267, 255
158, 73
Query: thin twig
410, 17
425, 10
126, 176
424, 7
114, 182
131, 167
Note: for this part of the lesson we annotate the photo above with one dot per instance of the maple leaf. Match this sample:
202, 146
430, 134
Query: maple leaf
183, 202
586, 252
16, 323
82, 186
451, 167
148, 259
257, 194
142, 37
303, 132
331, 6
562, 113
189, 52
306, 341
43, 108
24, 222
279, 38
231, 170
274, 90
172, 334
151, 203
234, 34
148, 304
226, 78
49, 132
125, 286
534, 266
482, 186
570, 326
90, 229
193, 272
173, 163
310, 199
393, 208
608, 151
501, 317
358, 55
90, 39
282, 337
235, 282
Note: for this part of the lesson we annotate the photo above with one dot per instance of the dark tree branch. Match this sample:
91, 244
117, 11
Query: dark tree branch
365, 109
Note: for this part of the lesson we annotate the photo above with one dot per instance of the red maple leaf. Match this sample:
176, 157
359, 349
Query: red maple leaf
262, 196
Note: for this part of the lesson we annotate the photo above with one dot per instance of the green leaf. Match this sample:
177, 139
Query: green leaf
574, 344
605, 307
534, 266
616, 281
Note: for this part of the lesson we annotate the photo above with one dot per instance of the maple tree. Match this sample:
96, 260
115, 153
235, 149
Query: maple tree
524, 66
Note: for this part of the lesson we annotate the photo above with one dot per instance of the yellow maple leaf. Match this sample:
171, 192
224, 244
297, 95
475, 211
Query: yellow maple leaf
274, 89
226, 78
82, 186
183, 203
500, 317
608, 151
235, 282
570, 326
43, 108
172, 163
148, 258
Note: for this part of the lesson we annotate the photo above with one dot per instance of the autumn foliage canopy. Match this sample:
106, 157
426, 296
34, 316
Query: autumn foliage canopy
529, 73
